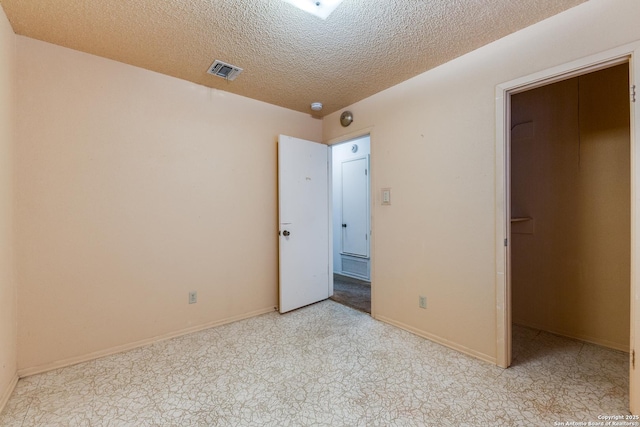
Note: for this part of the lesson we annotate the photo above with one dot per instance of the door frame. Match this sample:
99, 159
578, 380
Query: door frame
630, 54
339, 140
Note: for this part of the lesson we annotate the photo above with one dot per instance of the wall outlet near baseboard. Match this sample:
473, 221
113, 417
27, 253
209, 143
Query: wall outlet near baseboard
193, 297
422, 301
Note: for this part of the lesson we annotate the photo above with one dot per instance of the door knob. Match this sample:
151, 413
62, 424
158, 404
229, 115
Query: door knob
286, 233
344, 225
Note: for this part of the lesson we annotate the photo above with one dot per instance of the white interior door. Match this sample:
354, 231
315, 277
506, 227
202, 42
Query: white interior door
303, 191
355, 207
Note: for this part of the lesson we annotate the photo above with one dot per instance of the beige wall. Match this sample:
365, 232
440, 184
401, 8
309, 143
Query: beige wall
135, 188
570, 174
433, 143
8, 297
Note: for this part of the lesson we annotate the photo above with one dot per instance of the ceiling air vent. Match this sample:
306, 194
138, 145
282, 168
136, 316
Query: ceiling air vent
224, 70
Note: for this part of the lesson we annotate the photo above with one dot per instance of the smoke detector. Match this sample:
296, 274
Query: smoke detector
224, 70
316, 106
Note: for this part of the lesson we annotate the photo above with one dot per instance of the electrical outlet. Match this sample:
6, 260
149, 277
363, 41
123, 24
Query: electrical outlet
422, 301
193, 297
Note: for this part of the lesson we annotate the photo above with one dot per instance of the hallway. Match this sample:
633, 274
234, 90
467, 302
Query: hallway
352, 292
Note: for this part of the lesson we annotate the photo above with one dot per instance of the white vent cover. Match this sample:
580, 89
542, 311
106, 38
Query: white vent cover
224, 70
355, 267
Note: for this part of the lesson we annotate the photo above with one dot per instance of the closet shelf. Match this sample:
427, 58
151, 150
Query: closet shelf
521, 219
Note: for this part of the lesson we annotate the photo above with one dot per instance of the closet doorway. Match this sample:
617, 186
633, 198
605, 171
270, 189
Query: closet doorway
627, 54
569, 214
350, 163
571, 208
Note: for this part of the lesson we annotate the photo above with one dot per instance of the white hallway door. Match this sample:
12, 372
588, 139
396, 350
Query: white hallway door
355, 207
303, 193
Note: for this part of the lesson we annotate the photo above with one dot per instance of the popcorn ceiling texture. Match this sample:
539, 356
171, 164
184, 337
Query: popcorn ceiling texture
290, 58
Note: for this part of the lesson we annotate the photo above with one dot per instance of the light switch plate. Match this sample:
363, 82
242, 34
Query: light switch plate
386, 196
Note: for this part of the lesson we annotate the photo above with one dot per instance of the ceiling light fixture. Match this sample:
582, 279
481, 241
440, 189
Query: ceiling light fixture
320, 8
346, 118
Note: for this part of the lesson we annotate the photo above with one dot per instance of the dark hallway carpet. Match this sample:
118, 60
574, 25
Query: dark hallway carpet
351, 292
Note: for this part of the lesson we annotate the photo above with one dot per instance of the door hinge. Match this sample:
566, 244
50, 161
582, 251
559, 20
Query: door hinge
505, 242
365, 172
633, 93
633, 359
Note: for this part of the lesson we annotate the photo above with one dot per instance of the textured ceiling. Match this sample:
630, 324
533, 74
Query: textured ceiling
290, 58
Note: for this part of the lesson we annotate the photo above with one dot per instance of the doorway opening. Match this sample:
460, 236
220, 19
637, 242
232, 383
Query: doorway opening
570, 207
351, 218
569, 210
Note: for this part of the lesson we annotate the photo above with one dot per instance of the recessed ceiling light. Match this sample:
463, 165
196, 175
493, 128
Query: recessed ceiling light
320, 8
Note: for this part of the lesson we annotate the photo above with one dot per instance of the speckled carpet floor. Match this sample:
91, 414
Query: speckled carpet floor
325, 365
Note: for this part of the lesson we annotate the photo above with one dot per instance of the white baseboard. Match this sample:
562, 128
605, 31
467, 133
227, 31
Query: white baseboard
440, 340
6, 394
25, 372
